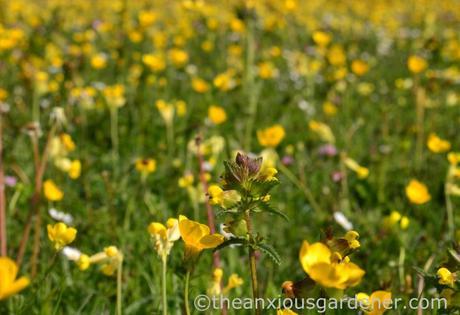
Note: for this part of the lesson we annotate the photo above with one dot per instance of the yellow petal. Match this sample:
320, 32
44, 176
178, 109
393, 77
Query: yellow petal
314, 254
211, 241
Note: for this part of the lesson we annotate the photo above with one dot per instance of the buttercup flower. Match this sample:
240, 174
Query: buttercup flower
9, 285
416, 64
436, 144
417, 192
217, 114
359, 67
61, 235
272, 136
51, 191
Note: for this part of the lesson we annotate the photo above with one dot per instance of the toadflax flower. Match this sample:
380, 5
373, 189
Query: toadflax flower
446, 277
417, 192
164, 236
61, 235
197, 237
9, 285
329, 269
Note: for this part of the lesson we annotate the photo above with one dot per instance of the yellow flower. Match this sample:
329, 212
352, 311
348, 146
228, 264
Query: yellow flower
237, 25
99, 61
225, 81
404, 223
376, 304
52, 192
67, 142
359, 67
83, 262
417, 192
362, 172
3, 94
178, 57
9, 285
197, 237
61, 235
453, 158
217, 114
147, 18
285, 312
267, 173
436, 144
164, 236
267, 70
146, 166
329, 108
445, 277
329, 269
322, 130
155, 62
75, 169
115, 95
216, 195
271, 136
336, 56
416, 64
321, 38
200, 85
352, 239
186, 181
166, 111
233, 282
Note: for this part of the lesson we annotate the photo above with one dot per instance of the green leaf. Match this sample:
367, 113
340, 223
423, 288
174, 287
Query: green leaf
232, 241
270, 251
261, 188
264, 206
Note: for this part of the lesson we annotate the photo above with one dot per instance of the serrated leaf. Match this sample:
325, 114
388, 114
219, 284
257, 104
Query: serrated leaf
270, 251
232, 241
264, 206
261, 188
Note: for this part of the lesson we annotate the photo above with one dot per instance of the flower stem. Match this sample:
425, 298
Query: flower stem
187, 281
450, 213
119, 283
253, 267
114, 133
163, 286
3, 244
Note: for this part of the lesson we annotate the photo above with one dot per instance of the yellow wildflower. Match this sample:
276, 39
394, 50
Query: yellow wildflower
200, 85
446, 277
146, 166
75, 169
321, 38
51, 191
217, 114
322, 130
417, 192
359, 67
436, 144
9, 285
164, 236
271, 136
61, 235
416, 64
376, 304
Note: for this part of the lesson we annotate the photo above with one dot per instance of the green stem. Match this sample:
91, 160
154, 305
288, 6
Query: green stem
307, 192
402, 258
420, 114
163, 284
170, 137
253, 268
119, 283
450, 213
114, 133
187, 282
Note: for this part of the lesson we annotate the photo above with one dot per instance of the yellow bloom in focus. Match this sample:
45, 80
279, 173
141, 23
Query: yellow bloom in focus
321, 38
359, 67
446, 277
197, 237
200, 85
361, 171
216, 195
271, 136
9, 285
329, 269
155, 62
178, 57
217, 114
376, 304
99, 61
417, 192
61, 235
322, 130
75, 169
146, 166
436, 144
51, 191
416, 64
